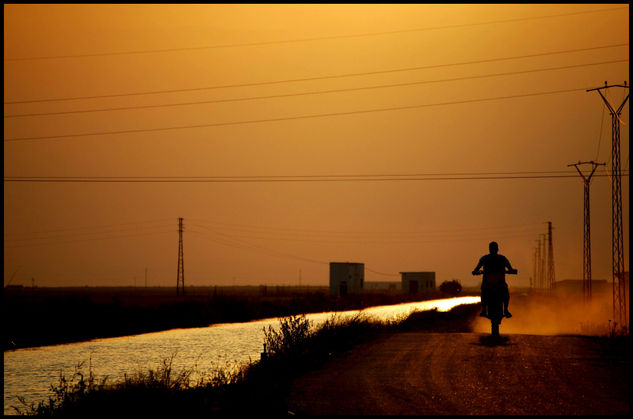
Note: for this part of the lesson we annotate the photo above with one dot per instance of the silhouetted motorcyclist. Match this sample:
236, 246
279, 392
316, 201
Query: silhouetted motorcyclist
494, 263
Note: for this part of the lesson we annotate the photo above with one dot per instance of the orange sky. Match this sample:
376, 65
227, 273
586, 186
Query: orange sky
478, 89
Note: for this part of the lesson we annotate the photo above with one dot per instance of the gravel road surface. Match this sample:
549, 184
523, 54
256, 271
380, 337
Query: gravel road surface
422, 373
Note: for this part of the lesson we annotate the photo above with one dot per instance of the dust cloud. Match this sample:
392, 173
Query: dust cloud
555, 313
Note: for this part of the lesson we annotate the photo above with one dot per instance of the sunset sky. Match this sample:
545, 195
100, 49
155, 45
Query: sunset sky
291, 136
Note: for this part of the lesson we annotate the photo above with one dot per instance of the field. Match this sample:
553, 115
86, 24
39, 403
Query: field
44, 316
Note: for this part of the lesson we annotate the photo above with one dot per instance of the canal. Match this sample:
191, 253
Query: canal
30, 372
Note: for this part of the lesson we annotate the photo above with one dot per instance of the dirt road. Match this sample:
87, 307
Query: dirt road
424, 373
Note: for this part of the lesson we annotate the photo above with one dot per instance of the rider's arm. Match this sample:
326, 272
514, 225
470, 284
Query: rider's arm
479, 265
507, 263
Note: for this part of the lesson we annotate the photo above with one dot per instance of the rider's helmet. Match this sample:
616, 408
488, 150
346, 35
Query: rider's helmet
493, 247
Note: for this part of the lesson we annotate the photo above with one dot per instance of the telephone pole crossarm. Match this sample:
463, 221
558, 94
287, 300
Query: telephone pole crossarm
607, 87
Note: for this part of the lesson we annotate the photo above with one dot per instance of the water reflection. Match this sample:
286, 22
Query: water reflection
30, 372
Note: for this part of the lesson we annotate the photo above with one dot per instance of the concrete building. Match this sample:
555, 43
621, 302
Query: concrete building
346, 278
415, 282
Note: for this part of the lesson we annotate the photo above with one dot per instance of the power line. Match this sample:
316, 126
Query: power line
57, 236
268, 231
230, 241
262, 43
311, 92
418, 238
367, 73
354, 176
233, 242
272, 180
100, 227
47, 235
388, 240
90, 239
600, 133
379, 273
348, 232
288, 118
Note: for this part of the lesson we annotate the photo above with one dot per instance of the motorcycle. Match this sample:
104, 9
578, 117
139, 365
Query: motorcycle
495, 298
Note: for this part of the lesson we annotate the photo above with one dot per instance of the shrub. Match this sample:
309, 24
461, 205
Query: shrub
451, 287
292, 335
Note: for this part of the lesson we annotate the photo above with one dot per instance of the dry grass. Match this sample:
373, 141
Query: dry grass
257, 388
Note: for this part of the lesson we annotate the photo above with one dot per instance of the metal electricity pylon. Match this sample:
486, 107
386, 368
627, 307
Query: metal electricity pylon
537, 256
550, 257
543, 261
534, 277
180, 277
586, 240
540, 262
620, 314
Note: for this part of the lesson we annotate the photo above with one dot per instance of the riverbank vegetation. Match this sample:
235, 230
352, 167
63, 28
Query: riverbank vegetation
47, 316
258, 388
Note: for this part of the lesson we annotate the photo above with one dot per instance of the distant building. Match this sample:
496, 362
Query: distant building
415, 282
382, 286
346, 278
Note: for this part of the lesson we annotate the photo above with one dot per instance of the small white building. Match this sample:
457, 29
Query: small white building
346, 278
415, 282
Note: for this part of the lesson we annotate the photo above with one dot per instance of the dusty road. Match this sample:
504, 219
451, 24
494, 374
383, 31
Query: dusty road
424, 373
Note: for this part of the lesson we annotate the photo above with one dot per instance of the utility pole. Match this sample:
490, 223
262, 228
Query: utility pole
550, 256
620, 314
533, 279
180, 277
538, 264
543, 259
586, 241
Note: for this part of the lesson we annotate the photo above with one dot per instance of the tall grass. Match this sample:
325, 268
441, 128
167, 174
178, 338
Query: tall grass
256, 388
296, 345
292, 335
141, 392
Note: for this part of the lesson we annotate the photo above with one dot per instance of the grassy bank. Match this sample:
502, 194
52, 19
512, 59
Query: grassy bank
46, 316
258, 388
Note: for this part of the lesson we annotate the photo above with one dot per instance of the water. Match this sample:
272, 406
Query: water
30, 372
